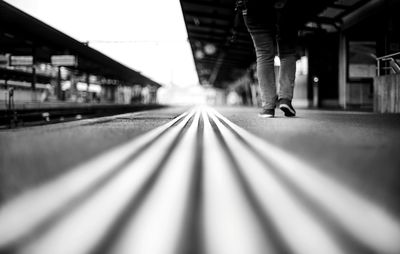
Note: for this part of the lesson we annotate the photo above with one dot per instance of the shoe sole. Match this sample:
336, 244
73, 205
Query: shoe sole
265, 116
287, 110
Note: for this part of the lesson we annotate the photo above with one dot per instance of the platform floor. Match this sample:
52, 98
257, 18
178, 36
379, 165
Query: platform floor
203, 180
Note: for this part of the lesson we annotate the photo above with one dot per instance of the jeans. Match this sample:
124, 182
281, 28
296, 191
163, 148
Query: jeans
271, 38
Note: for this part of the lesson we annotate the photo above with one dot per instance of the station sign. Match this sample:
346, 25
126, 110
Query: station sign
64, 60
21, 60
4, 59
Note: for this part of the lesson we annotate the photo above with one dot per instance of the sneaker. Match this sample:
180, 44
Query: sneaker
267, 113
286, 106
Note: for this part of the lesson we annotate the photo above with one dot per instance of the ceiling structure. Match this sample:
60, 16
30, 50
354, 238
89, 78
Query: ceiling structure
24, 35
221, 46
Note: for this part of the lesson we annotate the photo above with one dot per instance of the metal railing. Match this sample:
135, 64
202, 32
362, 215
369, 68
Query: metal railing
388, 62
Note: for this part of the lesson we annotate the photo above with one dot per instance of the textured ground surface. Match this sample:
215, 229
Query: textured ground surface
361, 149
175, 180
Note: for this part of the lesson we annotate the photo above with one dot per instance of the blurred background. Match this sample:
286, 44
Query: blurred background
190, 52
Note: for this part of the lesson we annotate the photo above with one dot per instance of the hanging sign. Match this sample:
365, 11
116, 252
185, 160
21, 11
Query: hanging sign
21, 60
4, 59
64, 60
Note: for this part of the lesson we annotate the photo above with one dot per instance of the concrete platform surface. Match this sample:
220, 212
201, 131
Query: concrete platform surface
203, 180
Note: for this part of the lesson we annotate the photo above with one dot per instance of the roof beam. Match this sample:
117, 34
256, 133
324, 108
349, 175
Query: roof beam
202, 15
226, 62
211, 25
365, 8
353, 8
207, 38
324, 20
207, 29
339, 6
311, 29
208, 5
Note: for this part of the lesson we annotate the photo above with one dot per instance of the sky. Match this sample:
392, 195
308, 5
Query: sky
148, 36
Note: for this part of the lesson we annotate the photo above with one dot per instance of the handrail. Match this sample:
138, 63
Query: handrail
387, 56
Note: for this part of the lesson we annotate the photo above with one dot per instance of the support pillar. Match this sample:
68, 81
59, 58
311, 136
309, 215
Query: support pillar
58, 85
343, 70
33, 84
88, 97
6, 92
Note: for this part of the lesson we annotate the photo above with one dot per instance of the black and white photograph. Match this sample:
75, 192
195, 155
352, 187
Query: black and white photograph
200, 127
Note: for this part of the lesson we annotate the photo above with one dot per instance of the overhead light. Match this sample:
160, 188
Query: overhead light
277, 61
210, 49
199, 54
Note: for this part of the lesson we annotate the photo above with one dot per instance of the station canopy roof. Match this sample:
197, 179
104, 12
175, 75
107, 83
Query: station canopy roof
221, 46
24, 35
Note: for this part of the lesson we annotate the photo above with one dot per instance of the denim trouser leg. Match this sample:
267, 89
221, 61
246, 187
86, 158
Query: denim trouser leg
287, 71
264, 37
264, 45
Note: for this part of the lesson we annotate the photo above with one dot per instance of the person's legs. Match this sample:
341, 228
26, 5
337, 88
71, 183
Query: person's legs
287, 53
263, 39
286, 40
287, 73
